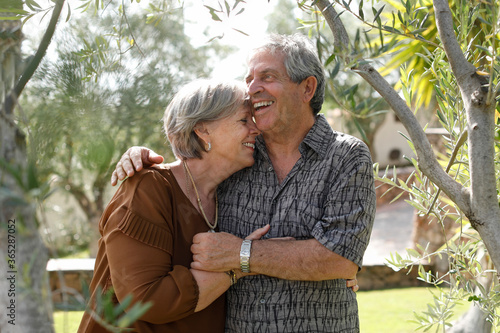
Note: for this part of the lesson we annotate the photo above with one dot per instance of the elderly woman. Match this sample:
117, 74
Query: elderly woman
148, 227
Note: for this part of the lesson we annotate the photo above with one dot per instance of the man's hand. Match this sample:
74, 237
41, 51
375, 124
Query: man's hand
133, 160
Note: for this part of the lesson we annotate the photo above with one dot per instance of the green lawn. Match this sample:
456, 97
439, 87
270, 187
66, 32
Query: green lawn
387, 311
390, 311
67, 322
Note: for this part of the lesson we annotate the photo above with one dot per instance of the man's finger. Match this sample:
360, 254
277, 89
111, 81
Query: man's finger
134, 160
120, 173
126, 166
154, 158
114, 178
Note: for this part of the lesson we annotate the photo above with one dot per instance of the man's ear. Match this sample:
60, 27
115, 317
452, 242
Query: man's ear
309, 88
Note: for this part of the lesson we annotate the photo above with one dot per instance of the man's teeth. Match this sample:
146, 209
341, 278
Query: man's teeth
251, 145
261, 104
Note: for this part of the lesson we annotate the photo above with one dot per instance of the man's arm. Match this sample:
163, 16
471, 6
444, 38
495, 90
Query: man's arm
301, 256
285, 259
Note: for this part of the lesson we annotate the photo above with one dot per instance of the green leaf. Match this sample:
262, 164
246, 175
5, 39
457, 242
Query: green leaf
361, 13
417, 31
377, 15
485, 49
9, 18
397, 197
33, 5
213, 11
133, 314
124, 304
361, 130
391, 29
328, 61
237, 2
241, 32
413, 253
69, 13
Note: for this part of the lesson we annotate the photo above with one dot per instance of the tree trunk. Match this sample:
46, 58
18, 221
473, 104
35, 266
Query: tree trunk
23, 256
473, 321
25, 293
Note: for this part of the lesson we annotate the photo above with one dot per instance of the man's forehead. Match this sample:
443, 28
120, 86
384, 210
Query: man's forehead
264, 65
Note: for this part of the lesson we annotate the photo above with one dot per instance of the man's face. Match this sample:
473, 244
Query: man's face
274, 96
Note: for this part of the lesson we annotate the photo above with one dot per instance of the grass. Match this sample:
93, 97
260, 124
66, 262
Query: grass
391, 311
388, 311
67, 322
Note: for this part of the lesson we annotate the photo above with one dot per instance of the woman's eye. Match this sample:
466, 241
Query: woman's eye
244, 120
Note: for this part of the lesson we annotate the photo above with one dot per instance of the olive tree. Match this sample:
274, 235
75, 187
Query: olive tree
467, 101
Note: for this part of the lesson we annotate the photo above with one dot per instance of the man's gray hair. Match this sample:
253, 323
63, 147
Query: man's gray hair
301, 61
197, 102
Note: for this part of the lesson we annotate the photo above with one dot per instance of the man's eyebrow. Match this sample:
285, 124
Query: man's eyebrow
269, 70
263, 72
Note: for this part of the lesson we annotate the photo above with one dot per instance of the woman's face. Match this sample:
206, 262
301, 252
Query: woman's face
233, 138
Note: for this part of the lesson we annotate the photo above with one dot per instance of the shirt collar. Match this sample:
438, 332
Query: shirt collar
318, 138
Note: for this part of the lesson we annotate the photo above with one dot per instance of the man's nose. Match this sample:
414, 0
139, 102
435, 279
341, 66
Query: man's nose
254, 87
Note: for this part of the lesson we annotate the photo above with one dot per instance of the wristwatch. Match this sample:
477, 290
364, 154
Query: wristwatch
245, 255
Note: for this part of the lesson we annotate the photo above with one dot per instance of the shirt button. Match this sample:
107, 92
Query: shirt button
262, 301
270, 169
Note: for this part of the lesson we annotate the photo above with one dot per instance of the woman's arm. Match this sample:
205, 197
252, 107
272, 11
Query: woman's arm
147, 273
213, 284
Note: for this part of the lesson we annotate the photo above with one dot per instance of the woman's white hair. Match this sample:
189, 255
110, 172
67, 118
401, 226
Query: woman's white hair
197, 102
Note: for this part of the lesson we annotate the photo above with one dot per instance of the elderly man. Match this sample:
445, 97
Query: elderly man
309, 183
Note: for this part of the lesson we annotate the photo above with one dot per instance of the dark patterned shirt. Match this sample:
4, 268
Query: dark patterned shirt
328, 195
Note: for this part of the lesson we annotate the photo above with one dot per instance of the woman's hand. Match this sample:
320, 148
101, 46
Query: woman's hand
353, 284
257, 234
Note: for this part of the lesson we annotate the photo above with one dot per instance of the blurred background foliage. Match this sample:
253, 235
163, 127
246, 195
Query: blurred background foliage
106, 83
99, 92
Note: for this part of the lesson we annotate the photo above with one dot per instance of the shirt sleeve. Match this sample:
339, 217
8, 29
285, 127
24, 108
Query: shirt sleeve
139, 244
349, 211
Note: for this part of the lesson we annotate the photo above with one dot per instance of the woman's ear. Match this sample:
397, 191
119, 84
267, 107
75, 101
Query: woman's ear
202, 131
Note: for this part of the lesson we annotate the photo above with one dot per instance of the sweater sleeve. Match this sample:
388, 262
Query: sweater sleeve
139, 245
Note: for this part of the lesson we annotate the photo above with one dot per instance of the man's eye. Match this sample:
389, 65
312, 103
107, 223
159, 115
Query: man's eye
244, 120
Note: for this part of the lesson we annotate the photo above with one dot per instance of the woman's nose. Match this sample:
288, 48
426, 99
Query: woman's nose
253, 128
